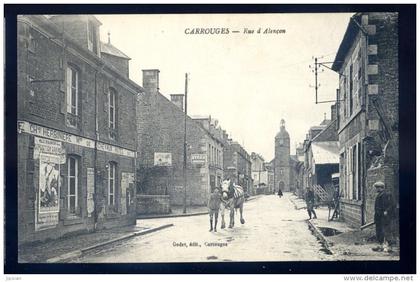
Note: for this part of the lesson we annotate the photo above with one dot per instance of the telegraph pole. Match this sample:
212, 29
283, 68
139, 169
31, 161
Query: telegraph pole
185, 145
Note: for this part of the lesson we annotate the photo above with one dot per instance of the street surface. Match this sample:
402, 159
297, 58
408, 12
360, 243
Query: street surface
274, 231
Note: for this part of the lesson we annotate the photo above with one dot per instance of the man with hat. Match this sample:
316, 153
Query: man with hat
383, 216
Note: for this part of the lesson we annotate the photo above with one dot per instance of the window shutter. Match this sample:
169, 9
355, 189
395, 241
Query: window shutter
106, 97
68, 89
63, 193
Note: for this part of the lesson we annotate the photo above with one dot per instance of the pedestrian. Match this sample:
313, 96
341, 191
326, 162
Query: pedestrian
336, 202
384, 212
280, 193
310, 202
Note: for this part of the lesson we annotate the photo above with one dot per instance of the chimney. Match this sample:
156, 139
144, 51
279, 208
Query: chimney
333, 112
178, 100
151, 80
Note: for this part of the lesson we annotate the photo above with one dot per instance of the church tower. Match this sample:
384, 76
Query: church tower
282, 159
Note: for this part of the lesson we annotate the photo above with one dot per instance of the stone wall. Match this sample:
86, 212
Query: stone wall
153, 204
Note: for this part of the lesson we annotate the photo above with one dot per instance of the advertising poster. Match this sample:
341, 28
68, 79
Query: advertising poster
126, 179
90, 190
48, 192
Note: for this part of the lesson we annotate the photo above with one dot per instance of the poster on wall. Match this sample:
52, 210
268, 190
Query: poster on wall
53, 149
90, 190
163, 159
127, 180
48, 191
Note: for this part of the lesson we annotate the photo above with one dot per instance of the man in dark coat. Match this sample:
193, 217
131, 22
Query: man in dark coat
384, 209
310, 202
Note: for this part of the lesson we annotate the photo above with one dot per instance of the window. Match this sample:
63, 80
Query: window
72, 91
72, 181
31, 88
351, 90
345, 97
354, 172
31, 42
209, 154
112, 109
92, 44
111, 183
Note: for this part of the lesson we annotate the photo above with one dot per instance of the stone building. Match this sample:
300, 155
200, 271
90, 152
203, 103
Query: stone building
298, 170
76, 133
367, 61
160, 129
237, 165
282, 162
321, 154
270, 176
260, 175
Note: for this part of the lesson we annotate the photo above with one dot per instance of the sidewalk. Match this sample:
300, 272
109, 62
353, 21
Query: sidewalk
177, 211
343, 241
69, 246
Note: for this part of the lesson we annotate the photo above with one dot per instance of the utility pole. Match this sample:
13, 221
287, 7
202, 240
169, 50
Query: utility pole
318, 66
185, 145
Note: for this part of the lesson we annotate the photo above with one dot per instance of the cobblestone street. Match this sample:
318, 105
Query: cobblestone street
274, 231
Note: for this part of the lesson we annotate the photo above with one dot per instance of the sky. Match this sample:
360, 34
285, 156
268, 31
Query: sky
248, 82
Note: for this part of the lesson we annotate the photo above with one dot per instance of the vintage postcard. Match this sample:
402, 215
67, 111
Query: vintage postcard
211, 137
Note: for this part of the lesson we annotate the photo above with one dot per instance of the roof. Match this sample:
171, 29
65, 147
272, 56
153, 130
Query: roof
324, 131
110, 49
348, 39
326, 152
325, 122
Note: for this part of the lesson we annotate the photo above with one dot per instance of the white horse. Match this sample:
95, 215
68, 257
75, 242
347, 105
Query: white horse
233, 197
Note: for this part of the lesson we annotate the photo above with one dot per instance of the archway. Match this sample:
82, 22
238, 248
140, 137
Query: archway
281, 185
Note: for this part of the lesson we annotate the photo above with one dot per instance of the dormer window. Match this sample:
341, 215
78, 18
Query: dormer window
92, 38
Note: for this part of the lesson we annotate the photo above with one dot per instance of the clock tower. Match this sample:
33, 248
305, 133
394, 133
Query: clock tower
282, 159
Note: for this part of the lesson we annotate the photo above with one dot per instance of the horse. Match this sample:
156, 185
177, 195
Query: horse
214, 205
233, 197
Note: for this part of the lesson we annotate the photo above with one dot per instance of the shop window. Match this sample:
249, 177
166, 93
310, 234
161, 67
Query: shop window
72, 184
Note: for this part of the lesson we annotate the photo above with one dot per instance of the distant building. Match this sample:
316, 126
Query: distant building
237, 164
260, 174
322, 154
299, 169
160, 162
282, 162
367, 61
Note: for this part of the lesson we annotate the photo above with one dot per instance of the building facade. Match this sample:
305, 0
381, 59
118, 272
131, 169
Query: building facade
282, 169
76, 147
237, 165
367, 61
160, 162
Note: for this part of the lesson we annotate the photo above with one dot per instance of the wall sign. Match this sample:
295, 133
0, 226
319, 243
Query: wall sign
163, 159
198, 158
52, 134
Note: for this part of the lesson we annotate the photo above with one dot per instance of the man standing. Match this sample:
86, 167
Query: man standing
310, 202
383, 216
